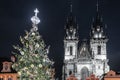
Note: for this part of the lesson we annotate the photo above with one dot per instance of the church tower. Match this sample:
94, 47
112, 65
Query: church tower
71, 37
98, 39
88, 59
98, 43
70, 45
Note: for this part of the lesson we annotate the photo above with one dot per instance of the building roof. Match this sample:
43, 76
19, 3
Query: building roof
4, 59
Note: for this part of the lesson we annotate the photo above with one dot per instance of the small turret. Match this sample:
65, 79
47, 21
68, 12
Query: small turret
71, 37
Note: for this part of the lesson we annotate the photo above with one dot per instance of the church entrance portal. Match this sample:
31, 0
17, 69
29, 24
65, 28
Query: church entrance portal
84, 73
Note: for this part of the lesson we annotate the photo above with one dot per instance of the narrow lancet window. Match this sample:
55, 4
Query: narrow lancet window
71, 50
99, 50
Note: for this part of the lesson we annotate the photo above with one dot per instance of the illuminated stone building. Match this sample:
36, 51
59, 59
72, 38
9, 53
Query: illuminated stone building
85, 59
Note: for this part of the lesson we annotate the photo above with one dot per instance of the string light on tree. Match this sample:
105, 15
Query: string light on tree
30, 64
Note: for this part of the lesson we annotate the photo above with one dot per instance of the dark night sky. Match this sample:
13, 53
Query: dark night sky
15, 18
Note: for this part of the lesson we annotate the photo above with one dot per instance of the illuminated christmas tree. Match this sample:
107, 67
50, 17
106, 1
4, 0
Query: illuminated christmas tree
32, 63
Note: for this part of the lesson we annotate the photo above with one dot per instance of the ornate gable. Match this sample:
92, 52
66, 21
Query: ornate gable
84, 51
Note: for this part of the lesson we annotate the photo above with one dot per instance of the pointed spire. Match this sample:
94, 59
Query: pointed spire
35, 20
71, 18
97, 9
98, 19
71, 7
97, 6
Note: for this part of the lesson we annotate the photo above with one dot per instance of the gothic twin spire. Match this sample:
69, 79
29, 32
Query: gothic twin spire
96, 29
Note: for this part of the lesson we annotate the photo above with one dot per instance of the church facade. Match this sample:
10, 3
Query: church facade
88, 58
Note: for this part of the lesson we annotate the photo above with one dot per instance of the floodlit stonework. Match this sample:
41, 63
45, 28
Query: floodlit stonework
91, 56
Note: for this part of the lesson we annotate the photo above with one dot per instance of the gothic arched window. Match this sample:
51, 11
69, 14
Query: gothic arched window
70, 72
99, 49
71, 50
84, 73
